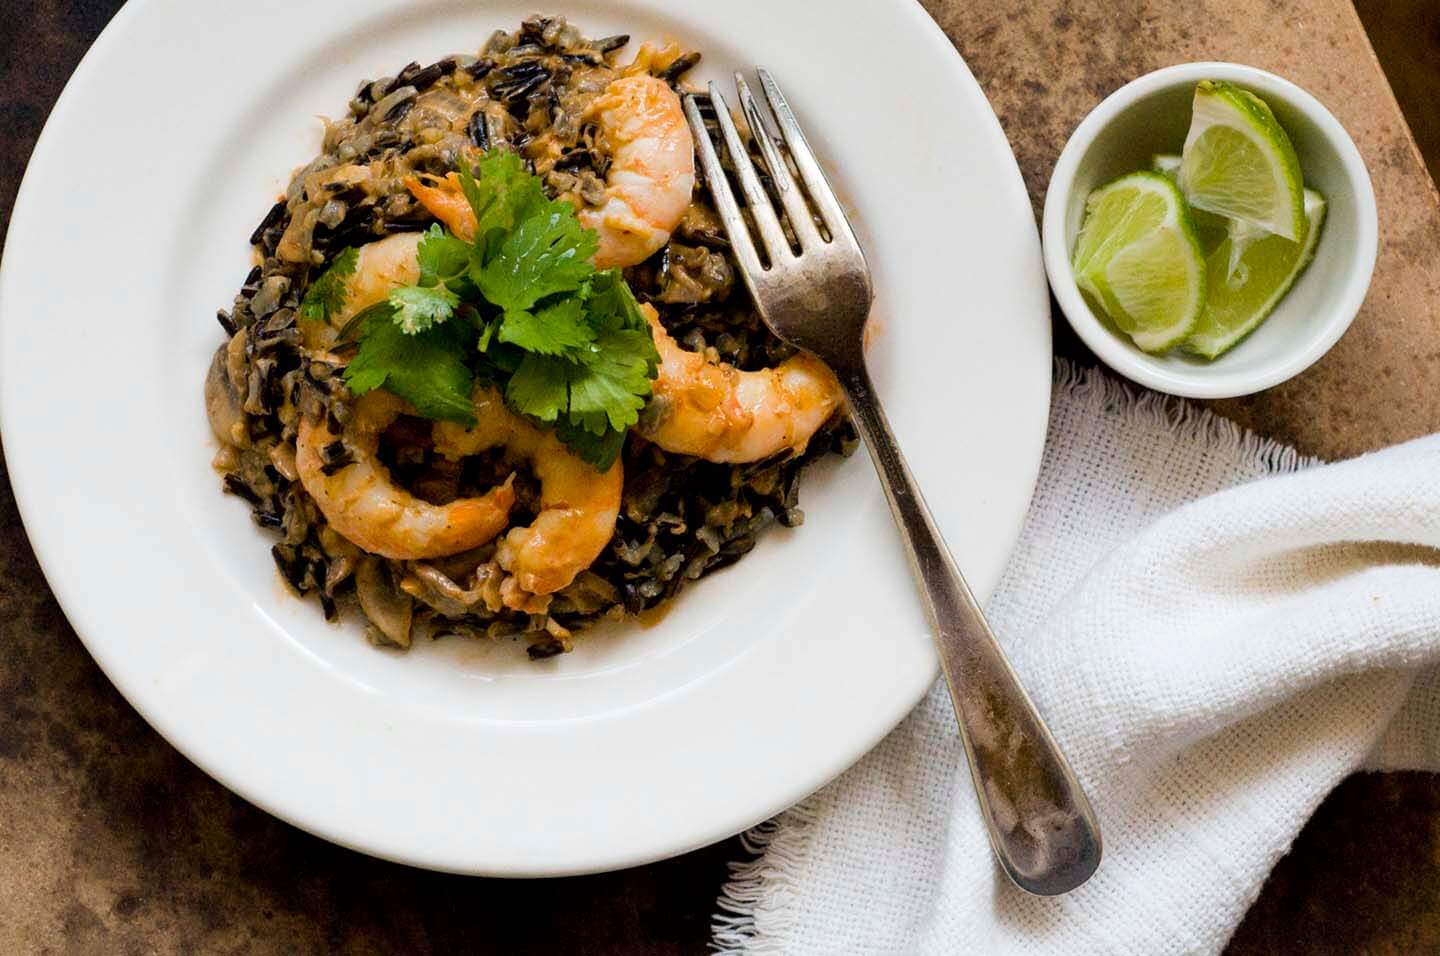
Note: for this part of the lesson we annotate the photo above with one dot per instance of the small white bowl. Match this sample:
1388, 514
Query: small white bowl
1151, 115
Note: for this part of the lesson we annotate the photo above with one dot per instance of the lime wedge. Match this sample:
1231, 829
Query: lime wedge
1211, 228
1138, 258
1237, 301
1239, 163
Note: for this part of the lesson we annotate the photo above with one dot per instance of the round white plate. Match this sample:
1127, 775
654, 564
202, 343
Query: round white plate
762, 683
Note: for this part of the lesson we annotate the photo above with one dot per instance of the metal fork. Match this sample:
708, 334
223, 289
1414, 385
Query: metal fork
817, 297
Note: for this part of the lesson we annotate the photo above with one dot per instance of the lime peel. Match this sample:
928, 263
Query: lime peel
1139, 258
1237, 304
1238, 161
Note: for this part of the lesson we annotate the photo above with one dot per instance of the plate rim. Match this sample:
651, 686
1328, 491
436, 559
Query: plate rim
25, 474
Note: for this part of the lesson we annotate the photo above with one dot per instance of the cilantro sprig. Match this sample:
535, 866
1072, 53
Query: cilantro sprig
521, 305
428, 369
326, 294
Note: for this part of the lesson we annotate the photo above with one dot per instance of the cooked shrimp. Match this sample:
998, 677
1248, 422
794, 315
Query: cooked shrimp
652, 174
578, 505
719, 413
446, 203
362, 502
652, 169
380, 266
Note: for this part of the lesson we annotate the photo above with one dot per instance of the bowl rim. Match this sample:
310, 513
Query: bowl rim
1204, 381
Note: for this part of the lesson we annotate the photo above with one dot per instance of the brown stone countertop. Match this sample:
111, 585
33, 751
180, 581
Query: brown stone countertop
1046, 64
110, 842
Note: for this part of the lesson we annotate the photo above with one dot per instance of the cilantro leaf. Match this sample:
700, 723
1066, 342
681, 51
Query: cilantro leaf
611, 303
504, 195
521, 306
425, 369
505, 358
591, 391
327, 294
612, 307
544, 388
442, 257
553, 330
613, 381
545, 254
361, 320
599, 391
540, 387
418, 308
599, 450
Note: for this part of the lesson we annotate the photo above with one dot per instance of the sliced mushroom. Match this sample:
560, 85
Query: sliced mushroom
439, 590
588, 594
222, 401
343, 555
307, 197
389, 609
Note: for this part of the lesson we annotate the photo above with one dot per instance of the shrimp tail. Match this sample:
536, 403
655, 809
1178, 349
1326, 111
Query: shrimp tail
446, 203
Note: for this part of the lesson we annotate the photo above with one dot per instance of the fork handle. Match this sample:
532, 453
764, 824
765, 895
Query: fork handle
1041, 824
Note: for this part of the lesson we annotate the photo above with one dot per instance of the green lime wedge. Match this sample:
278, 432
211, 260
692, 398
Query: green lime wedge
1139, 259
1238, 301
1239, 163
1211, 228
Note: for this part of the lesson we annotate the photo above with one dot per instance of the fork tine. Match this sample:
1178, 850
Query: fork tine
741, 243
777, 247
805, 162
790, 196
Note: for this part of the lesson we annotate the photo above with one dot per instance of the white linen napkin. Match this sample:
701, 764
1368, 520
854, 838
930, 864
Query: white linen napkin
1212, 669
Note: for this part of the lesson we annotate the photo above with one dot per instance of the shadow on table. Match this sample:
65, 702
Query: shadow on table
113, 842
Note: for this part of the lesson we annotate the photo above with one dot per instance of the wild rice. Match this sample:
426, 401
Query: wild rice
681, 518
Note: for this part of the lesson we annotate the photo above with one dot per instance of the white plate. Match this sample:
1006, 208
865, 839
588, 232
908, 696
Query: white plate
173, 138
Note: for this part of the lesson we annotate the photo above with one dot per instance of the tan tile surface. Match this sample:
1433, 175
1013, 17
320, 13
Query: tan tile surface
1046, 64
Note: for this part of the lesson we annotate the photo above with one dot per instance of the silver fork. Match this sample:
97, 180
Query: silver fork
1041, 825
